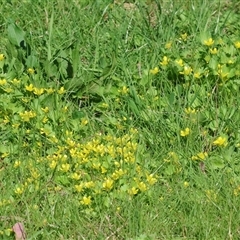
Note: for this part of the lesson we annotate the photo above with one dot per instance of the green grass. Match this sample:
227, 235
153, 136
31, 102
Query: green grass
120, 120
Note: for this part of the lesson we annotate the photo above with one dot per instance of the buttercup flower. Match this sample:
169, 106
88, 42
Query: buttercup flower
30, 88
154, 70
19, 190
38, 91
133, 191
197, 75
200, 156
165, 61
237, 44
186, 184
108, 184
189, 110
3, 82
151, 179
213, 51
124, 90
2, 57
186, 71
61, 90
184, 36
31, 71
179, 62
209, 42
220, 141
185, 132
86, 200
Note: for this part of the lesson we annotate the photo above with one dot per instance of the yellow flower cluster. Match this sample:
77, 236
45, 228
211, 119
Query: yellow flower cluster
27, 115
185, 132
221, 142
200, 156
95, 167
40, 91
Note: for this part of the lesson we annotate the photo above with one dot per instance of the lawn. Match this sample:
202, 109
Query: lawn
120, 119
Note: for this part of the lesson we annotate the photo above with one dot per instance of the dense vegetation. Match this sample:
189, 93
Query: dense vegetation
120, 120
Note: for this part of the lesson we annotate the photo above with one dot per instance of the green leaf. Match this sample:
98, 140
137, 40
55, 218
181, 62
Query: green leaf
107, 202
32, 61
171, 98
62, 180
217, 163
15, 34
4, 149
170, 170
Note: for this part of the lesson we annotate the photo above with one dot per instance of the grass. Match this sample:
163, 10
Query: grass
120, 120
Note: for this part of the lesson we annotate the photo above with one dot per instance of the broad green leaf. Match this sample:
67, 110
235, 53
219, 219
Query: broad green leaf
15, 34
217, 163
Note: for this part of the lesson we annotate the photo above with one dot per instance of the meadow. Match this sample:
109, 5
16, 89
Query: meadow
120, 119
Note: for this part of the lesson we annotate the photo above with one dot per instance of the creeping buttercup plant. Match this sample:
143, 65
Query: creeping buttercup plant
120, 119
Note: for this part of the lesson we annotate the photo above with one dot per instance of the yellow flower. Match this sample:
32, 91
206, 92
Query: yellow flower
184, 36
31, 71
61, 90
168, 45
124, 90
154, 71
104, 105
79, 187
86, 200
237, 44
75, 176
6, 120
15, 81
151, 179
17, 163
8, 90
142, 186
38, 91
46, 109
65, 109
213, 51
108, 184
103, 170
89, 184
53, 164
189, 110
2, 57
197, 75
209, 42
180, 62
186, 184
133, 191
19, 190
16, 125
165, 61
185, 132
220, 141
27, 115
222, 74
84, 122
29, 88
3, 82
200, 156
49, 90
117, 174
65, 167
186, 71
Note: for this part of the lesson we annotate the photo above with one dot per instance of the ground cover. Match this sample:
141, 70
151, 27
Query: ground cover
120, 120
